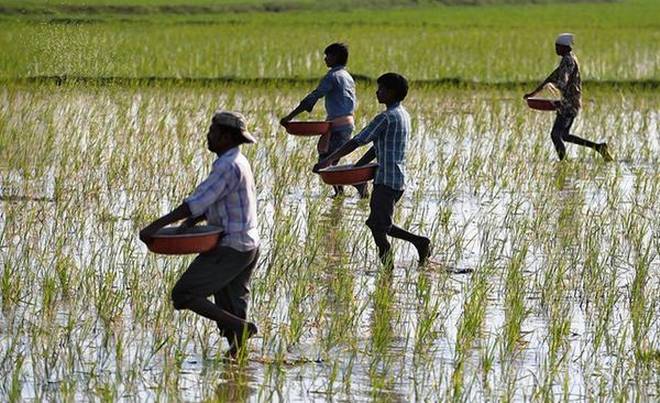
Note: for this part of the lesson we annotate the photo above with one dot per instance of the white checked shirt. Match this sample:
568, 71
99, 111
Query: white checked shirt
227, 198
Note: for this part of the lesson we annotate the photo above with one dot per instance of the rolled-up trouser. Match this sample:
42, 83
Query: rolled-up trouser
224, 273
560, 129
337, 139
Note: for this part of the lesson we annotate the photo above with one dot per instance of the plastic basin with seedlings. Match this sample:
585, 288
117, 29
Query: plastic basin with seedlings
348, 174
178, 241
309, 128
541, 104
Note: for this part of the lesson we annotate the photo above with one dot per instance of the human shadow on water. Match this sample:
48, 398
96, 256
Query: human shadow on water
438, 265
384, 343
570, 201
235, 385
333, 243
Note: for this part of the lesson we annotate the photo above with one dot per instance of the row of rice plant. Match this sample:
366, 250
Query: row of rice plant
545, 283
615, 42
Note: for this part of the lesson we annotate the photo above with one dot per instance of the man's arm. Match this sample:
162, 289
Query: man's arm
552, 78
540, 87
190, 222
307, 104
344, 150
374, 129
367, 157
299, 109
179, 213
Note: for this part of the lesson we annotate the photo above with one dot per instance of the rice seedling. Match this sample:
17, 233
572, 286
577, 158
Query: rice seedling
545, 280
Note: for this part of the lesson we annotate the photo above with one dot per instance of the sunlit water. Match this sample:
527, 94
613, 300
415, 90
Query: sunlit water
352, 343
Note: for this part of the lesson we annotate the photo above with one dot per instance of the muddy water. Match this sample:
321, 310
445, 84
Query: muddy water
332, 324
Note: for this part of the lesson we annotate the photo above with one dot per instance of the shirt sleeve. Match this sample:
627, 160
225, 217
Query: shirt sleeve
373, 130
324, 87
215, 187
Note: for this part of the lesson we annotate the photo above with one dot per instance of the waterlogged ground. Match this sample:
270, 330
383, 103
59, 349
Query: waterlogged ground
545, 283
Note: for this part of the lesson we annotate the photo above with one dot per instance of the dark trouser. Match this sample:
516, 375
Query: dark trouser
224, 273
337, 139
561, 132
383, 200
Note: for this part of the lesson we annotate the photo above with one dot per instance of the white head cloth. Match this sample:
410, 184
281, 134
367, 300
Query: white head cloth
565, 39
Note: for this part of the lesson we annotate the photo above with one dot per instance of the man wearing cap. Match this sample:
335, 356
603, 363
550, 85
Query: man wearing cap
226, 199
566, 78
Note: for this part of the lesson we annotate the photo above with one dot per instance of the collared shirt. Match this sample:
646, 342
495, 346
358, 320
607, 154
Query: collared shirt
227, 198
566, 78
338, 88
389, 132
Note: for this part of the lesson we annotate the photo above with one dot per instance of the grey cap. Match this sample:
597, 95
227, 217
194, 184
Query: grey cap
235, 120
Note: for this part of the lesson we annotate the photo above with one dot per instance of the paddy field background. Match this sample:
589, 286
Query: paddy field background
546, 281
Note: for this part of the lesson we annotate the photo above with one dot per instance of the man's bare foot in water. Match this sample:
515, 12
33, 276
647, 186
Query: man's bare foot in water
604, 152
339, 191
238, 343
424, 250
363, 190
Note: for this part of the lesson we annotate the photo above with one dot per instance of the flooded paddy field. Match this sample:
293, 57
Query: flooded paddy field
544, 283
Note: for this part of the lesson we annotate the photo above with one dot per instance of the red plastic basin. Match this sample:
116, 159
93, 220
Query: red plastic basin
541, 104
309, 128
198, 239
348, 174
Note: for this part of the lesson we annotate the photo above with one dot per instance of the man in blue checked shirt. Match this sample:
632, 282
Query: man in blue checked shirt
338, 89
389, 133
226, 199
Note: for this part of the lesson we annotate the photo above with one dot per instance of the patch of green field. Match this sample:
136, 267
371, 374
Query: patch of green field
127, 7
615, 42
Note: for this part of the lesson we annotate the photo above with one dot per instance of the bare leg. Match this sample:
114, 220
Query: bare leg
422, 244
225, 320
384, 246
570, 138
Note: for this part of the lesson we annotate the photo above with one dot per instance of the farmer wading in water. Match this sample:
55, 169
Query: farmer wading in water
226, 199
566, 78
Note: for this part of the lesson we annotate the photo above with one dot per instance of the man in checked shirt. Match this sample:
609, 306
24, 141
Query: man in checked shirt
389, 133
566, 78
226, 198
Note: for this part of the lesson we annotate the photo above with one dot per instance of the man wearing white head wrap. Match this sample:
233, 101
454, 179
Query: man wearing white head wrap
566, 77
565, 40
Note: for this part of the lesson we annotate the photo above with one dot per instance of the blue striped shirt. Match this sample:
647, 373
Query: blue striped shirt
389, 132
338, 88
227, 198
